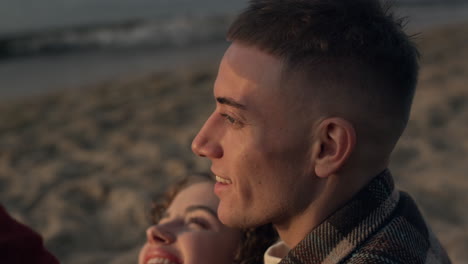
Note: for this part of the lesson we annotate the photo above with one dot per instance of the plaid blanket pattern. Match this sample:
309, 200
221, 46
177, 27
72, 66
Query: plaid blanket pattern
379, 225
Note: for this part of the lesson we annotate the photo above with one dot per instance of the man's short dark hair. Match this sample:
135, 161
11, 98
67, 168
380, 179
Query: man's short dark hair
355, 45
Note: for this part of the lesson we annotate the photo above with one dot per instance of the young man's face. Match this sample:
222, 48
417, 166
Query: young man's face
258, 140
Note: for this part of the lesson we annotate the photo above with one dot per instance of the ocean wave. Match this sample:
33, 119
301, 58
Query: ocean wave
176, 32
156, 34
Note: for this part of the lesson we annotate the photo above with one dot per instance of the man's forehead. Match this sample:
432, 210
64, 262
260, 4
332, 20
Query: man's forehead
250, 63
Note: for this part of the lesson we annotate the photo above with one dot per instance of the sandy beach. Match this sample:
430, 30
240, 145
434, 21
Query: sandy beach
81, 166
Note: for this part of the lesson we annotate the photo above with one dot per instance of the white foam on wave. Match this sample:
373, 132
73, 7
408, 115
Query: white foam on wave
182, 31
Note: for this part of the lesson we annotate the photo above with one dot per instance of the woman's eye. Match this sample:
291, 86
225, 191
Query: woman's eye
162, 220
198, 222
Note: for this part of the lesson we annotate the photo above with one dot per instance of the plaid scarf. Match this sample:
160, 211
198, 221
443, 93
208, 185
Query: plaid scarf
379, 225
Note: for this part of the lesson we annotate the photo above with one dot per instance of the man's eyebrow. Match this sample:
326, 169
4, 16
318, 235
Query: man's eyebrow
230, 102
203, 208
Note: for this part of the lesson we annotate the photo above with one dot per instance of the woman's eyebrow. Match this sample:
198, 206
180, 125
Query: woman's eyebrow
203, 208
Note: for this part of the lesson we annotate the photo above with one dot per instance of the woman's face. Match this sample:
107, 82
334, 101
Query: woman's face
190, 232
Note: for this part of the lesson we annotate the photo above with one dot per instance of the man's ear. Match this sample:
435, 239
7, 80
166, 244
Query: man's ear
335, 139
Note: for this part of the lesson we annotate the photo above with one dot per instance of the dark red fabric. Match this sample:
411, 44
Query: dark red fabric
20, 244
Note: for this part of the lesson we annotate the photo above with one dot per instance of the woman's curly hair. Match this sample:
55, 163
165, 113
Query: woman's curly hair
253, 242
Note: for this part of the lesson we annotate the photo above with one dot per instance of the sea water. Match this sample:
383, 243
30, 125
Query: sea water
55, 44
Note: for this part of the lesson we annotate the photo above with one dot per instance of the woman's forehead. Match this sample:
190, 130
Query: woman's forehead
197, 194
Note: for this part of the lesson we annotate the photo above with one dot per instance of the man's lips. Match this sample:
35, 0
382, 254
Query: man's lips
223, 180
160, 256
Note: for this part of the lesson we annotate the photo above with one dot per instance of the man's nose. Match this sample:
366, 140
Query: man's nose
159, 235
206, 143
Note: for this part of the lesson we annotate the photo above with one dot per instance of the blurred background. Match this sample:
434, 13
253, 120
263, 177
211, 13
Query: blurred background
99, 102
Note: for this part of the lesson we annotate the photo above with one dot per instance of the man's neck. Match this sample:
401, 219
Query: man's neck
338, 191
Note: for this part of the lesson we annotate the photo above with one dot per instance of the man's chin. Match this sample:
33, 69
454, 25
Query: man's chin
229, 218
236, 220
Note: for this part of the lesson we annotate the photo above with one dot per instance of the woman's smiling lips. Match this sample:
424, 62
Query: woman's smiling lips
160, 256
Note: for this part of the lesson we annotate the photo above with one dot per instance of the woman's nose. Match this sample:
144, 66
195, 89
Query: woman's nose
157, 234
206, 142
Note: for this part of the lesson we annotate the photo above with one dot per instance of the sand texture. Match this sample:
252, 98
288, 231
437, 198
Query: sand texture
81, 166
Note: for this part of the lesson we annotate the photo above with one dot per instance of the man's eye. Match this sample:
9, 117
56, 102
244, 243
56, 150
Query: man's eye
198, 222
229, 119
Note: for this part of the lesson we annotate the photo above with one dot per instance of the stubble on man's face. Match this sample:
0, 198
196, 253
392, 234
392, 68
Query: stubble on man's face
264, 152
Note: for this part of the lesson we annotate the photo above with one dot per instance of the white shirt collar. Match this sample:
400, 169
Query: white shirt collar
275, 253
